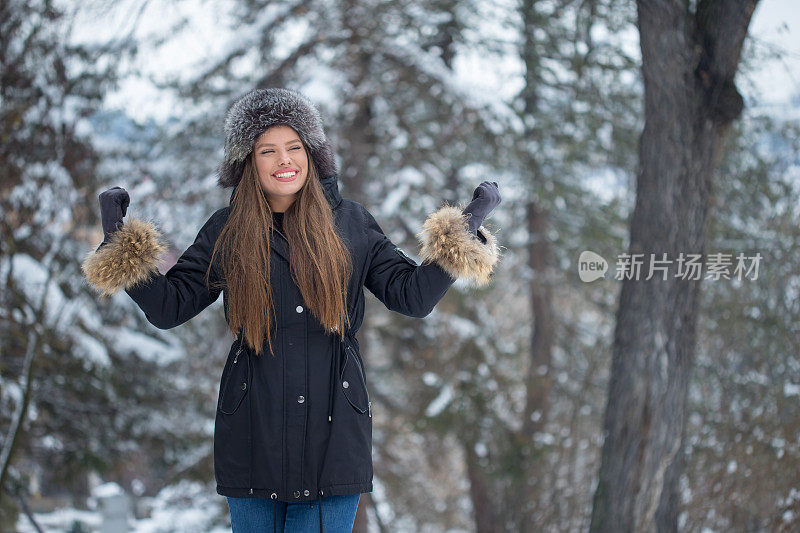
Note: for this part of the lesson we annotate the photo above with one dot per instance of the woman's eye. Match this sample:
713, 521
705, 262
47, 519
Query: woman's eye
292, 148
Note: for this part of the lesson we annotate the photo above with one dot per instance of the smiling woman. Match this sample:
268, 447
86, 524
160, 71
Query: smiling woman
294, 417
282, 164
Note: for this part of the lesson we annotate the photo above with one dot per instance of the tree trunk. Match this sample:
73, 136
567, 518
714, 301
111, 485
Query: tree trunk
688, 63
538, 378
486, 518
537, 388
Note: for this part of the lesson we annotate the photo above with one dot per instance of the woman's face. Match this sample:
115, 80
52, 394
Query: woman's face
282, 165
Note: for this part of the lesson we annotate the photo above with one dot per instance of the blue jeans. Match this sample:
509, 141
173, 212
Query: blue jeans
251, 515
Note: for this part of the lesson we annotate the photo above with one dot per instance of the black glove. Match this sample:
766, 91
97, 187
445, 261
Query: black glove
485, 198
113, 206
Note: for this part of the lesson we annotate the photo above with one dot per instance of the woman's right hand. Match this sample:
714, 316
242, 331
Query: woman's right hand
485, 198
113, 206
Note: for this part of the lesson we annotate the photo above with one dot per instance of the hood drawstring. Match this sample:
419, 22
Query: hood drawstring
334, 374
319, 507
335, 357
341, 348
332, 381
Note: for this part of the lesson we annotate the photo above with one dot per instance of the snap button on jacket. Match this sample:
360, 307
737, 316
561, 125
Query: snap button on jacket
297, 425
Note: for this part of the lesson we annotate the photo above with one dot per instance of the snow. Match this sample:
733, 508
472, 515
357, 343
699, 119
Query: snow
187, 48
382, 508
60, 520
481, 450
11, 391
606, 184
544, 438
183, 508
107, 489
430, 379
463, 328
144, 346
776, 26
791, 389
438, 405
394, 198
92, 349
31, 277
51, 442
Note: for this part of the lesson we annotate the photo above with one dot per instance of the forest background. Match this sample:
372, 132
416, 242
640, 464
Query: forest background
489, 413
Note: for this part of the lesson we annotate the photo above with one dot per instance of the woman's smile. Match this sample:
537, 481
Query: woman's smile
285, 175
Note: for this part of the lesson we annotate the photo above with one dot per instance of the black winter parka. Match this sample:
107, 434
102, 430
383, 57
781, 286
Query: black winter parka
297, 426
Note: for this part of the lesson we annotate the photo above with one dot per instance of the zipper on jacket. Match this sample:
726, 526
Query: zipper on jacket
276, 230
238, 350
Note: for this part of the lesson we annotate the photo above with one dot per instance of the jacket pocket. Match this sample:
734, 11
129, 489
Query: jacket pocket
354, 383
235, 382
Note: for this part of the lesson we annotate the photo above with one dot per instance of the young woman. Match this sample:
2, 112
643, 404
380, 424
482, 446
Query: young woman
291, 257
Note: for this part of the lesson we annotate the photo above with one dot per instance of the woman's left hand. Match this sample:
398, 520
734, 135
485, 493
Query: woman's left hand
485, 198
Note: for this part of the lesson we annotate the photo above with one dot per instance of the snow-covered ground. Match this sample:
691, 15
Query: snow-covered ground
188, 507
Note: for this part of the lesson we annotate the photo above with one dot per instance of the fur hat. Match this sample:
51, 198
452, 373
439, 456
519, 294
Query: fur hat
253, 113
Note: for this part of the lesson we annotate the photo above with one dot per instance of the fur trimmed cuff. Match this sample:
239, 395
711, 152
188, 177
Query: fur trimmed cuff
447, 241
126, 260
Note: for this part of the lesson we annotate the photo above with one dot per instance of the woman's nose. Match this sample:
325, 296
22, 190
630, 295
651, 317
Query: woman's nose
284, 157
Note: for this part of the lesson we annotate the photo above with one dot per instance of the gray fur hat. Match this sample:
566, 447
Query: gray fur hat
253, 113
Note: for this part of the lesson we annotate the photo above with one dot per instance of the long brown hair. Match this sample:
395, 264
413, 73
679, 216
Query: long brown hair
320, 262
